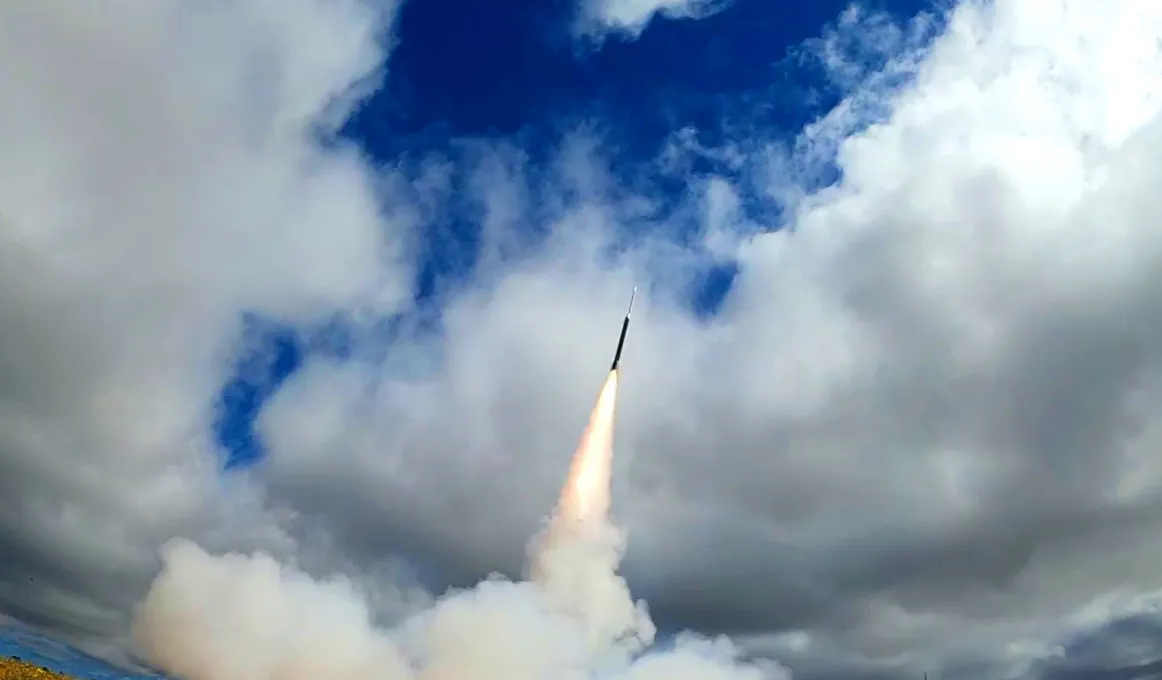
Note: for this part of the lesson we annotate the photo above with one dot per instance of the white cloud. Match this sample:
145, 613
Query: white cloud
160, 173
629, 18
918, 432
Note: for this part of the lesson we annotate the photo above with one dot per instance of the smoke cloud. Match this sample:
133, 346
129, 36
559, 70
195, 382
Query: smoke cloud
241, 617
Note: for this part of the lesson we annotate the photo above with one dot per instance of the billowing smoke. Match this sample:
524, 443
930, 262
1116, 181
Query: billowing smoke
239, 617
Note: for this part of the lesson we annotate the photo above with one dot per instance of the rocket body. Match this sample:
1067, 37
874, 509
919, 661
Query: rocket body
624, 330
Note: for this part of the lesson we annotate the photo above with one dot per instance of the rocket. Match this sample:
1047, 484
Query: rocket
624, 328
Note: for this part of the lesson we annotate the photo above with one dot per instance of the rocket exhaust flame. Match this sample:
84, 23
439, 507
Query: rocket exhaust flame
585, 497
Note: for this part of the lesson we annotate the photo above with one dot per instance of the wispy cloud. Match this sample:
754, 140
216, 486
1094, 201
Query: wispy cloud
628, 18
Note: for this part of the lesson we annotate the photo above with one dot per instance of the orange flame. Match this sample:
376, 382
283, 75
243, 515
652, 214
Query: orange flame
586, 494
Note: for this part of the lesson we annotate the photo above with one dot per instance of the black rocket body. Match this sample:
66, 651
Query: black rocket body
624, 329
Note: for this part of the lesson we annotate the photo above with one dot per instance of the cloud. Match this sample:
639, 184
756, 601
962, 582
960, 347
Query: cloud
919, 434
165, 166
628, 18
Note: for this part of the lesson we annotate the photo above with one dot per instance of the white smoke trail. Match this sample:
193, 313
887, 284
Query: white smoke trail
574, 560
237, 617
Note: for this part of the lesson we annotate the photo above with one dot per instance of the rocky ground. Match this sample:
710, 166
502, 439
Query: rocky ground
17, 669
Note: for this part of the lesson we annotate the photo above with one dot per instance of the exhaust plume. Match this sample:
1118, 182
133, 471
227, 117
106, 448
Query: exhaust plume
574, 559
585, 496
246, 617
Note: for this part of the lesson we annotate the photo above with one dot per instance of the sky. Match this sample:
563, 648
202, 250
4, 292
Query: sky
319, 288
513, 72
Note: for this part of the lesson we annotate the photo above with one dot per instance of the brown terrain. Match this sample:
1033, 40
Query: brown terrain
16, 669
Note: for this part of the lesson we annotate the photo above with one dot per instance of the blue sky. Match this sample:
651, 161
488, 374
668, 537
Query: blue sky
514, 71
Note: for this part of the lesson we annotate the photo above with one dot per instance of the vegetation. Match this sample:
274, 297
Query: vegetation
18, 669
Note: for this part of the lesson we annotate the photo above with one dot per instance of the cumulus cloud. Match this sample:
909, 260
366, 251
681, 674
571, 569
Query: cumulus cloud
919, 432
165, 167
919, 435
628, 18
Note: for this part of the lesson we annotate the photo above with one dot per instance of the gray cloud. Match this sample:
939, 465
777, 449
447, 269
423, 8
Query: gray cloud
161, 172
